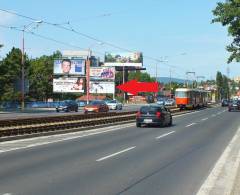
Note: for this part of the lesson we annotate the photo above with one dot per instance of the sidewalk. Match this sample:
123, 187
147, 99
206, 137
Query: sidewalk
224, 179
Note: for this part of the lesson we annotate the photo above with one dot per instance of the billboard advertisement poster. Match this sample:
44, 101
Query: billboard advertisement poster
68, 85
124, 59
102, 87
102, 72
69, 67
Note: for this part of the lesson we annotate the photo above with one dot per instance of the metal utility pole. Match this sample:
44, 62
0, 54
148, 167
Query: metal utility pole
124, 95
187, 73
88, 62
25, 27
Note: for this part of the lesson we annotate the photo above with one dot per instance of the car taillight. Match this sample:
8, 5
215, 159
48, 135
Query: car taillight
158, 114
138, 114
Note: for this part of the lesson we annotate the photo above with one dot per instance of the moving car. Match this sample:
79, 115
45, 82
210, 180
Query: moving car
170, 102
67, 105
114, 105
154, 115
234, 105
225, 102
160, 101
96, 106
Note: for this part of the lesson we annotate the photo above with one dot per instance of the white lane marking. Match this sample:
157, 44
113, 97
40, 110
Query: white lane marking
115, 154
204, 119
191, 124
62, 139
213, 115
164, 135
222, 177
219, 113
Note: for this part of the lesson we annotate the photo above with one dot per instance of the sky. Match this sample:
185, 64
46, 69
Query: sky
179, 33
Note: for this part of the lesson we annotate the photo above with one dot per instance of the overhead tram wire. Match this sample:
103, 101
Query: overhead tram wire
45, 37
81, 34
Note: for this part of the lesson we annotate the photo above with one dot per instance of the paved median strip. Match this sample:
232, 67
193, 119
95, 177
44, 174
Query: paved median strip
115, 154
164, 135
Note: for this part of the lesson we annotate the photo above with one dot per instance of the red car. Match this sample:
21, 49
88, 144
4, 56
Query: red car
96, 106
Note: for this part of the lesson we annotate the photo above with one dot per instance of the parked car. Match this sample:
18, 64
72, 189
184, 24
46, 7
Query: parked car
67, 105
96, 106
154, 115
225, 102
169, 102
114, 105
234, 105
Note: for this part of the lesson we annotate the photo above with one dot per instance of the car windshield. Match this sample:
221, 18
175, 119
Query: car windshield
112, 101
95, 103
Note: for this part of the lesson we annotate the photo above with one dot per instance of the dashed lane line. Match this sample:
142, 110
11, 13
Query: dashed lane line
164, 135
191, 124
115, 154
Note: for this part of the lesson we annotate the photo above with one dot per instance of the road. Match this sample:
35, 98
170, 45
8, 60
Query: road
120, 160
52, 112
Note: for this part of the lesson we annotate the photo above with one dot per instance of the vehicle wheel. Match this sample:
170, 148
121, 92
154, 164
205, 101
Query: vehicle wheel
229, 110
138, 124
76, 110
57, 110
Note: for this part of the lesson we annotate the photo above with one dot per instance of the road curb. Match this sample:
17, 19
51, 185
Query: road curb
222, 179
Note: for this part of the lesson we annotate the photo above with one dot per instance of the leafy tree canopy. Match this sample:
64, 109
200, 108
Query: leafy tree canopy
228, 14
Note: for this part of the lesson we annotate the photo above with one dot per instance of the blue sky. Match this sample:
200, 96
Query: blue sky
178, 31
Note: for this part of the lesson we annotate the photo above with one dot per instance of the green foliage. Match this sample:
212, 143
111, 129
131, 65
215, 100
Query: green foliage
228, 14
223, 90
40, 77
140, 76
10, 75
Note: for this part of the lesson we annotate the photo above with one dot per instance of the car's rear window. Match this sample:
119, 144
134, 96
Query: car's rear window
150, 109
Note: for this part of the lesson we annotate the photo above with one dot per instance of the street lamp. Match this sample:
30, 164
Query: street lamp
25, 28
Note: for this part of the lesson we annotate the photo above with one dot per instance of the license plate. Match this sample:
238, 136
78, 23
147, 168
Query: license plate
147, 120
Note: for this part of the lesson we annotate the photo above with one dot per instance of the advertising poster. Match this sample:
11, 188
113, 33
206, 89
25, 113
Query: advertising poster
102, 87
69, 67
124, 59
68, 85
102, 72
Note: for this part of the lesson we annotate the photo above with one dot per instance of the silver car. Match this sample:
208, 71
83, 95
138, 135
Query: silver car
114, 105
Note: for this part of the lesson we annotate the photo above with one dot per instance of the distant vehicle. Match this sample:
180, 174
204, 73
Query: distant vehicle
114, 105
154, 115
190, 98
67, 106
150, 99
81, 103
225, 102
234, 105
96, 106
170, 102
161, 101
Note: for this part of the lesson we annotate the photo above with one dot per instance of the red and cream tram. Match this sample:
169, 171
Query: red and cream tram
191, 98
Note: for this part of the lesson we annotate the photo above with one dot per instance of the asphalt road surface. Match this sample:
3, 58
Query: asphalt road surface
123, 160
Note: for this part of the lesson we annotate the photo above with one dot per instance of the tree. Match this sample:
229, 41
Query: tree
228, 14
10, 75
219, 82
41, 75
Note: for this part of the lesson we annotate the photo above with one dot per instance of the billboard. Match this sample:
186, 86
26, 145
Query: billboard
102, 87
69, 67
102, 72
124, 59
69, 84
